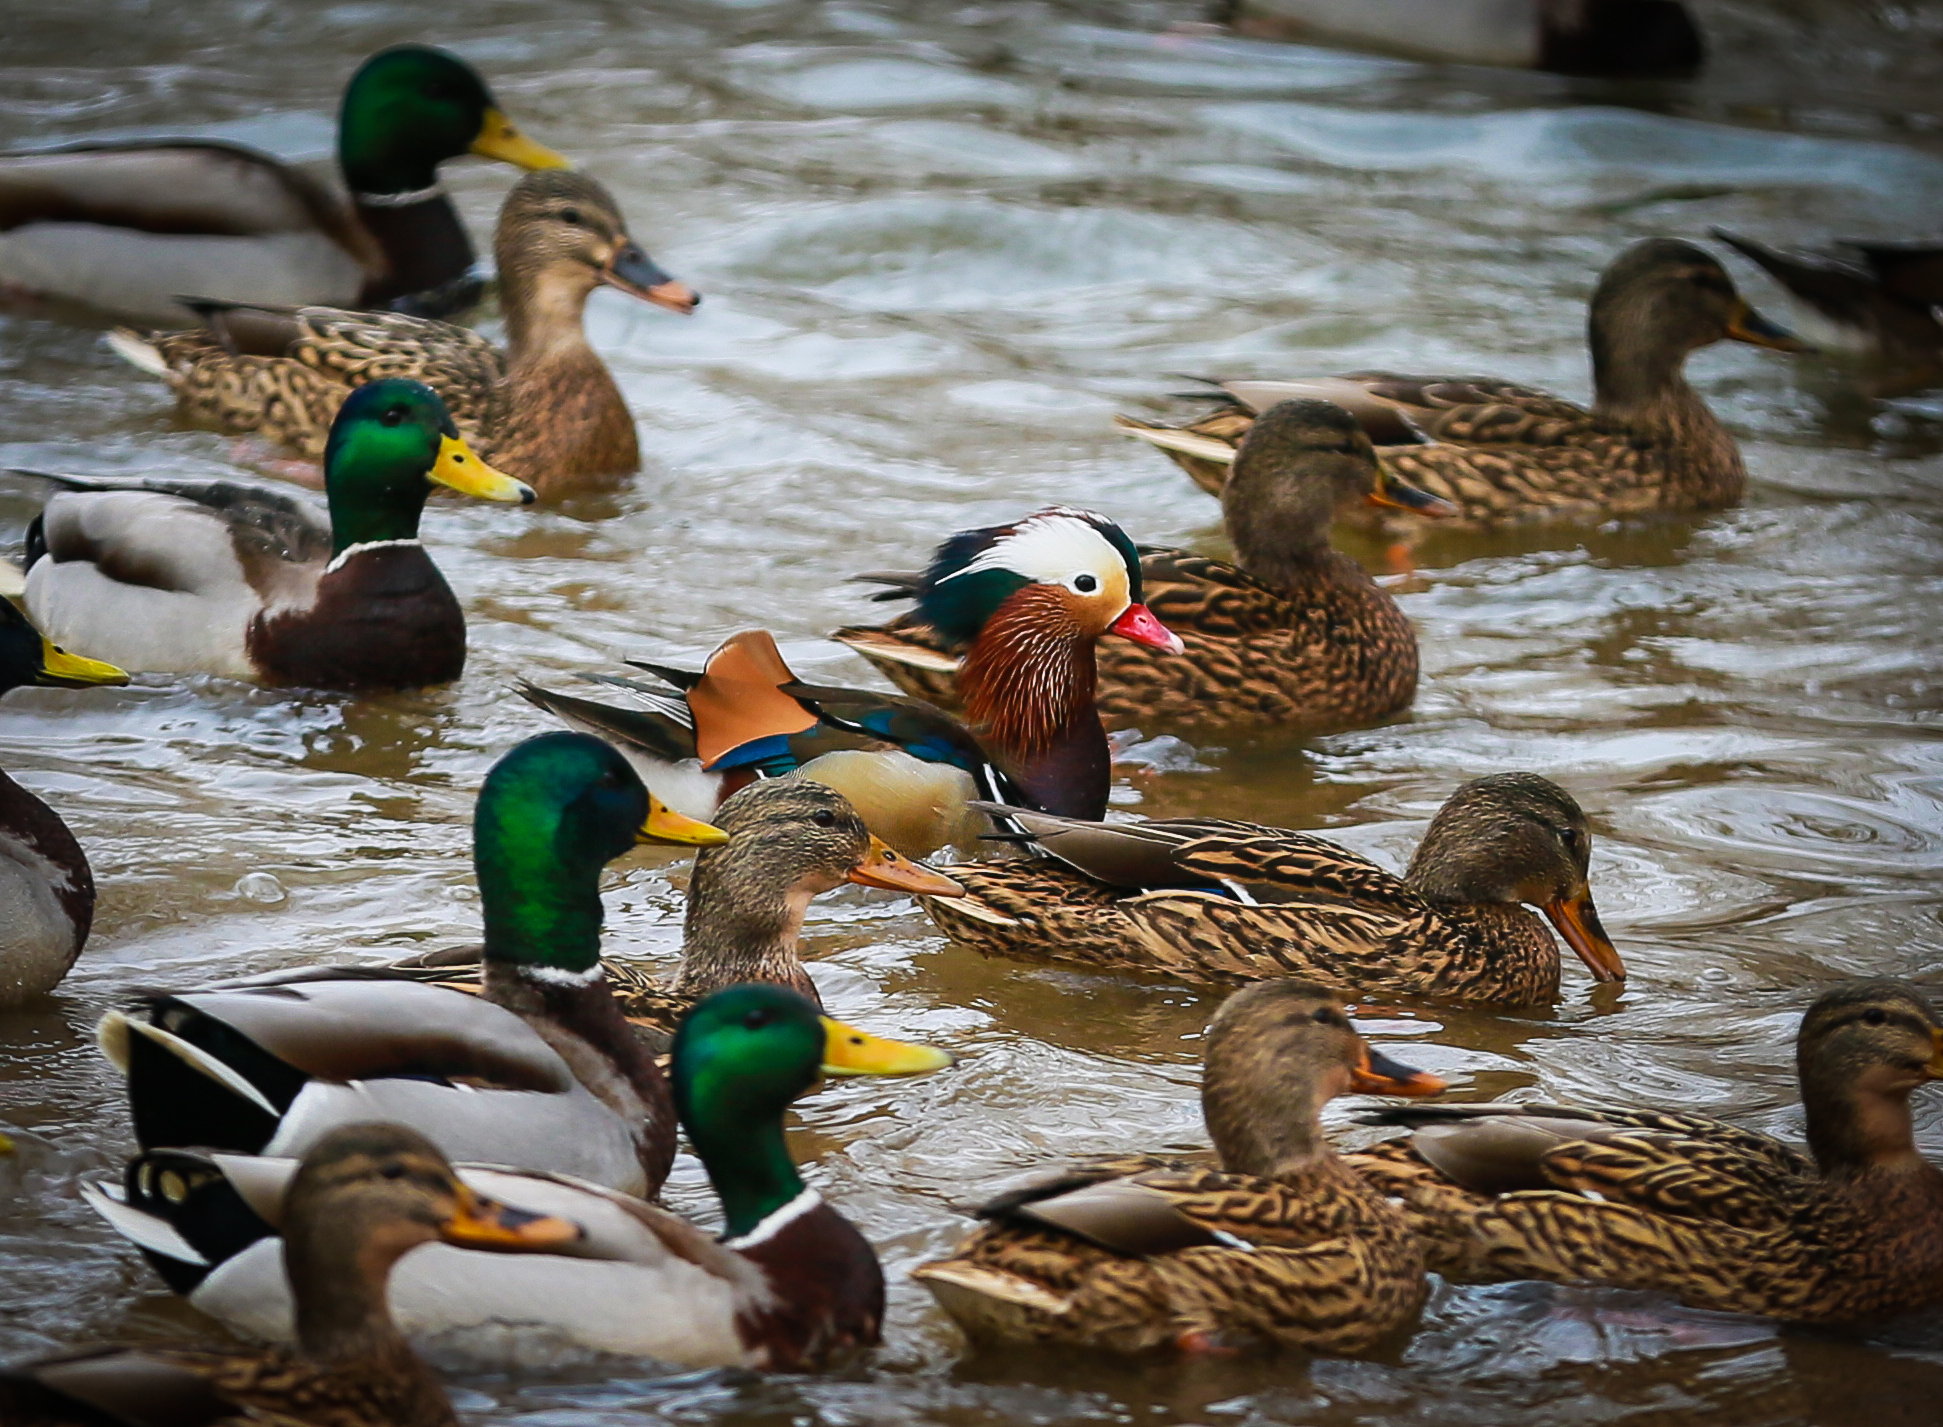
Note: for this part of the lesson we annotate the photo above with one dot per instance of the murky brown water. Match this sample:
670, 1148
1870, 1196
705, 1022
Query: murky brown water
940, 245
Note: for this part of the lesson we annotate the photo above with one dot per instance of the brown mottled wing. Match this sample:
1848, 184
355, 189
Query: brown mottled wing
111, 1386
283, 372
1211, 597
881, 645
1480, 410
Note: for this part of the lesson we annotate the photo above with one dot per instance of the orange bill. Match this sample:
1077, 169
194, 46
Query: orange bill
1935, 1066
1377, 1074
883, 866
1749, 326
1577, 921
1393, 493
635, 273
481, 1223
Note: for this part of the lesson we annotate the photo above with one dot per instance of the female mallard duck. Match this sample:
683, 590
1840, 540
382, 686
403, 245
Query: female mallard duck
1886, 298
46, 886
208, 576
362, 1200
1225, 901
789, 1286
1281, 1245
129, 226
1503, 453
1719, 1216
789, 839
546, 409
1298, 637
1030, 599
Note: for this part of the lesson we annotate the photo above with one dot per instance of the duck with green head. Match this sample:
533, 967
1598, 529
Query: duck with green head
789, 1285
213, 577
46, 885
129, 226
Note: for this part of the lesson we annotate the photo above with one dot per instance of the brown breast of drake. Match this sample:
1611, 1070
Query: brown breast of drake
383, 617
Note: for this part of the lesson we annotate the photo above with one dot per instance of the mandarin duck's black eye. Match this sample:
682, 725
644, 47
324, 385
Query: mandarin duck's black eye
1086, 584
392, 416
1875, 1017
823, 817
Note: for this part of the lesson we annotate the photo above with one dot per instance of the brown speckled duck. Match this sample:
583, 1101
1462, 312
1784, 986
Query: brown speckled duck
546, 409
1279, 1245
1721, 1217
1297, 637
1210, 900
1503, 453
365, 1197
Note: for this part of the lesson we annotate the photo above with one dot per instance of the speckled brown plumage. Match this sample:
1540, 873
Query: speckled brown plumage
1505, 453
545, 409
1719, 1216
1297, 637
1162, 897
364, 1196
1281, 1245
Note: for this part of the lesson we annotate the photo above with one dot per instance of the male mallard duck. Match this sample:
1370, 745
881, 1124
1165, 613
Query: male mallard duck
46, 886
789, 1286
1297, 637
542, 1071
1031, 600
228, 579
789, 839
1280, 1245
1886, 296
130, 226
1719, 1216
363, 1199
1224, 901
1503, 453
546, 409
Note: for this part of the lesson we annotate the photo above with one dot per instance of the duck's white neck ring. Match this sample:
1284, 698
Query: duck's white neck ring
776, 1222
337, 561
559, 976
400, 200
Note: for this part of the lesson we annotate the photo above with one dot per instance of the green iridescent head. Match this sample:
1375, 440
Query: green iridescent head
391, 442
551, 815
411, 107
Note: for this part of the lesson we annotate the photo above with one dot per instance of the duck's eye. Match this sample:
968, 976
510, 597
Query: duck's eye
393, 1171
392, 415
570, 215
823, 817
1086, 584
1324, 1017
755, 1020
1875, 1017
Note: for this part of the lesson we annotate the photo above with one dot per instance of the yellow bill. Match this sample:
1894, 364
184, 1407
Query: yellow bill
481, 1223
458, 469
848, 1051
499, 139
62, 670
664, 824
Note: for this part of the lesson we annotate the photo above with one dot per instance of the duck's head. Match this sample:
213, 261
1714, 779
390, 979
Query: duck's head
1301, 463
1661, 299
391, 442
1276, 1053
365, 1196
411, 107
561, 234
553, 813
1071, 573
740, 1057
27, 657
1862, 1048
799, 835
1517, 837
